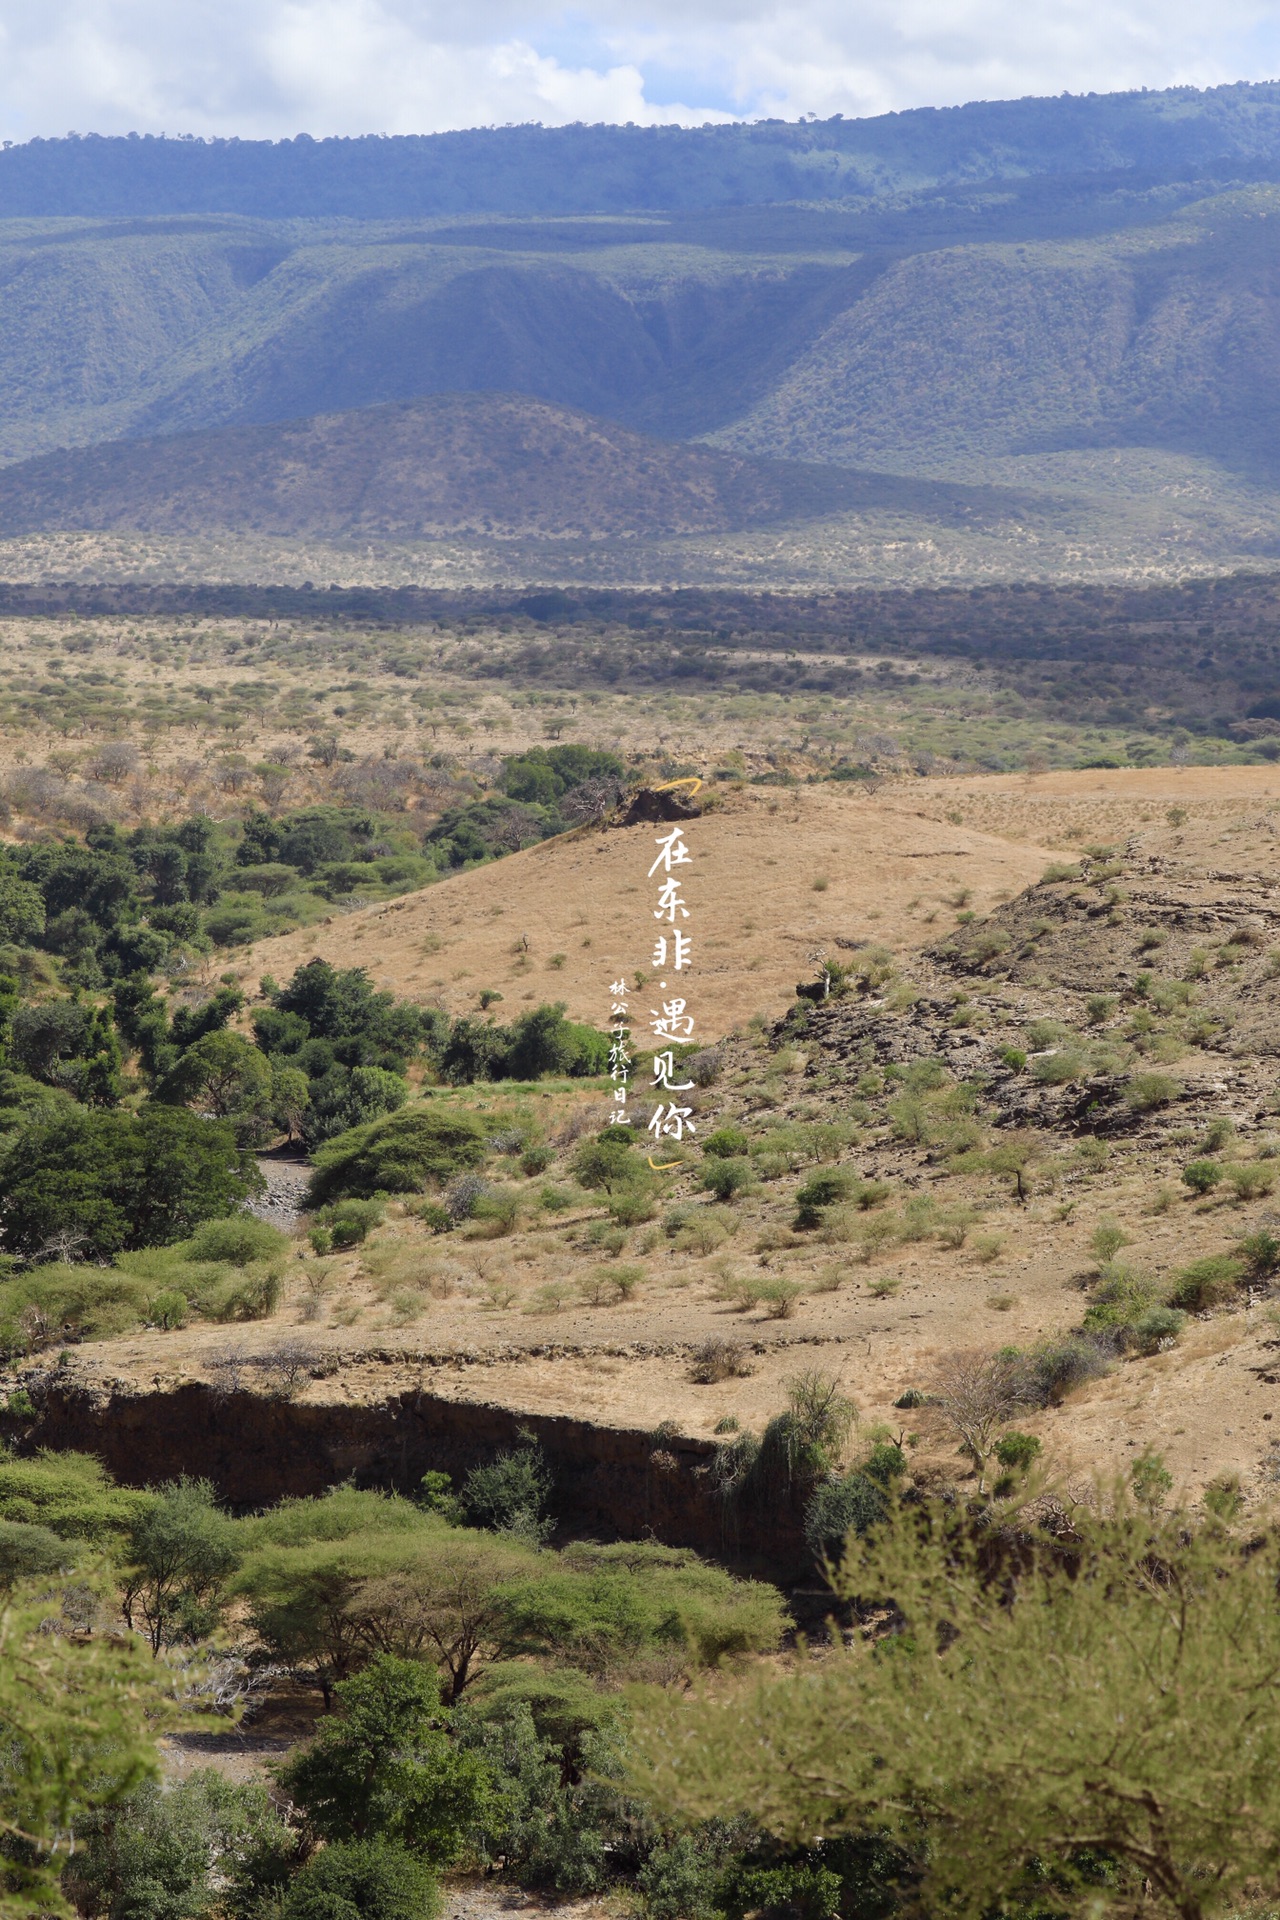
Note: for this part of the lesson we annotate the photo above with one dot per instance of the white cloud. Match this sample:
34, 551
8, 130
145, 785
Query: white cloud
274, 67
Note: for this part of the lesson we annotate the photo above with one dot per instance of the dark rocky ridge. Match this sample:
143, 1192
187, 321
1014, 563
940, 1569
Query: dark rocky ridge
1103, 933
492, 464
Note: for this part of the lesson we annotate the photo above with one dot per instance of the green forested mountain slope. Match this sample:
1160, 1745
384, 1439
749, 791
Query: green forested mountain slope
1076, 298
1179, 133
1166, 337
1162, 334
196, 324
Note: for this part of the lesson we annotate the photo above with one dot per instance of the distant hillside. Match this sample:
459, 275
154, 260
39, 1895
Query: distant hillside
1165, 338
496, 465
1075, 302
1178, 133
1162, 332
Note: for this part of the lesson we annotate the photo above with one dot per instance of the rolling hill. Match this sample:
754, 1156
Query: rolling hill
1163, 337
497, 465
924, 357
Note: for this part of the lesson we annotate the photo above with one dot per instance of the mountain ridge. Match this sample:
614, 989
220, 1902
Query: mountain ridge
879, 356
607, 168
1075, 303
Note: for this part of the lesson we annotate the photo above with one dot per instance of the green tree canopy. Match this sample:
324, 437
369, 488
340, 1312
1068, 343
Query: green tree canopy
369, 1028
71, 1494
101, 1181
21, 909
182, 1549
368, 1880
605, 1607
225, 1077
400, 1154
383, 1766
332, 1582
78, 1720
1042, 1704
543, 775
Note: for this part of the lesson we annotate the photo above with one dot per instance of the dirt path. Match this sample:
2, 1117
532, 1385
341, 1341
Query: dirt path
286, 1180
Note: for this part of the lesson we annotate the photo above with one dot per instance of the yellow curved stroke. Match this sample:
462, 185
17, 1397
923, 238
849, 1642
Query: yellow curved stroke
664, 1166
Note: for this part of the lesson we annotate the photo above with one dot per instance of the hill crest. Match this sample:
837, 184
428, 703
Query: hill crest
489, 464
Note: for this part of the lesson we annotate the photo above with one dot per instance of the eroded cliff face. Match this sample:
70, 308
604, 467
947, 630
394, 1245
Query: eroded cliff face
611, 1482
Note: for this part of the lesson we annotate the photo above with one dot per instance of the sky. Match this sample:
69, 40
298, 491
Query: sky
274, 68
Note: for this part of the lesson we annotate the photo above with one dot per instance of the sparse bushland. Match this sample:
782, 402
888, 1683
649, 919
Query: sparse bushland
96, 1173
525, 1648
229, 1270
451, 1168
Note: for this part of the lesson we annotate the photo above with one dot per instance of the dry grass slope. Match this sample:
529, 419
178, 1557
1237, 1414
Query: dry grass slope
932, 1252
778, 879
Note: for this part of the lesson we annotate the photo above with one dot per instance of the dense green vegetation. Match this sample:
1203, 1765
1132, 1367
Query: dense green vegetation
130, 1177
100, 1183
127, 1115
115, 903
1058, 1717
1054, 1714
603, 168
474, 1679
779, 323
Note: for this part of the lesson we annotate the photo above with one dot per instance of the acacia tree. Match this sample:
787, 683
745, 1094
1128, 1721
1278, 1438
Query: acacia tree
446, 1604
1041, 1705
977, 1393
182, 1550
1014, 1157
225, 1077
300, 1605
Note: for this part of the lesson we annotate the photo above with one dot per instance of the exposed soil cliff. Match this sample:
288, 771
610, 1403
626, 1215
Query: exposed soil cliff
610, 1482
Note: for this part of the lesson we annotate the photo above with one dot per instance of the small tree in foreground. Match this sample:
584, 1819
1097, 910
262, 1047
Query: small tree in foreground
78, 1720
182, 1550
510, 1494
369, 1880
1039, 1704
976, 1393
384, 1769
